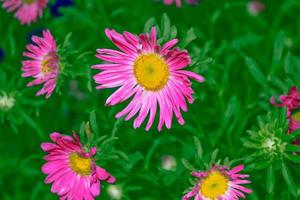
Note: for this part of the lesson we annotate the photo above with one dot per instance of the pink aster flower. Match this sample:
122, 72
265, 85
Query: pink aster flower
43, 65
292, 103
153, 75
27, 11
219, 183
178, 2
255, 7
71, 170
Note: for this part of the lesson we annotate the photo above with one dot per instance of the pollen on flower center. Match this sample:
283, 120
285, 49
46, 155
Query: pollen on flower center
29, 1
80, 165
214, 185
296, 116
49, 63
151, 71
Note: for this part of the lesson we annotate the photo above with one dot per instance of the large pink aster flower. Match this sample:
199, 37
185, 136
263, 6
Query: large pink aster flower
44, 63
178, 2
71, 170
292, 103
219, 183
151, 74
27, 11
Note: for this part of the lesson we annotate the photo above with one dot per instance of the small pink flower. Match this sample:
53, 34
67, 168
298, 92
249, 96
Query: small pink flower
219, 183
153, 75
292, 103
178, 2
255, 7
71, 170
44, 63
27, 11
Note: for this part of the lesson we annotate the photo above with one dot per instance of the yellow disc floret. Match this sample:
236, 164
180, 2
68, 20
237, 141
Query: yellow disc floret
28, 1
80, 165
151, 71
49, 63
214, 185
296, 116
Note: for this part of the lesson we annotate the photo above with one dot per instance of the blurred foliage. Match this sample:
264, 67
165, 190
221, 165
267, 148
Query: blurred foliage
245, 60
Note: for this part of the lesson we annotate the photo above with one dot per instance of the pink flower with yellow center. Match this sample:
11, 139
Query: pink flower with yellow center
27, 11
153, 75
43, 65
178, 2
219, 183
292, 103
71, 170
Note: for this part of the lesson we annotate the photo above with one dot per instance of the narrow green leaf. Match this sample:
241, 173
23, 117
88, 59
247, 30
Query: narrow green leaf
214, 156
293, 158
270, 179
93, 122
33, 124
149, 24
198, 147
288, 179
256, 71
166, 27
278, 47
188, 165
81, 131
190, 36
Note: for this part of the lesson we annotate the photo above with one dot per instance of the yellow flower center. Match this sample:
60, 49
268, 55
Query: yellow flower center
29, 1
80, 165
49, 63
214, 185
151, 71
296, 116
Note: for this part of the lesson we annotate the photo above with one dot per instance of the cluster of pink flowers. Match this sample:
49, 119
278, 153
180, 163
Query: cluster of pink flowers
27, 11
156, 80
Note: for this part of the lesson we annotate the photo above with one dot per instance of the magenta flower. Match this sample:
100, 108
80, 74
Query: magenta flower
27, 11
255, 7
292, 103
44, 63
151, 74
71, 170
178, 2
219, 183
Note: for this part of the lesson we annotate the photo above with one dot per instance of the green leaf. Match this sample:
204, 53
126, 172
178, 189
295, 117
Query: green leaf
288, 179
198, 147
270, 179
66, 42
149, 24
214, 156
278, 47
293, 158
188, 165
165, 26
33, 124
256, 71
82, 131
94, 124
190, 36
122, 155
292, 148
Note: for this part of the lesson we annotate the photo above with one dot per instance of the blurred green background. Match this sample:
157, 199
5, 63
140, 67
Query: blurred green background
244, 58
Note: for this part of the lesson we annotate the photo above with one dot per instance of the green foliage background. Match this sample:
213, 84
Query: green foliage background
245, 60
